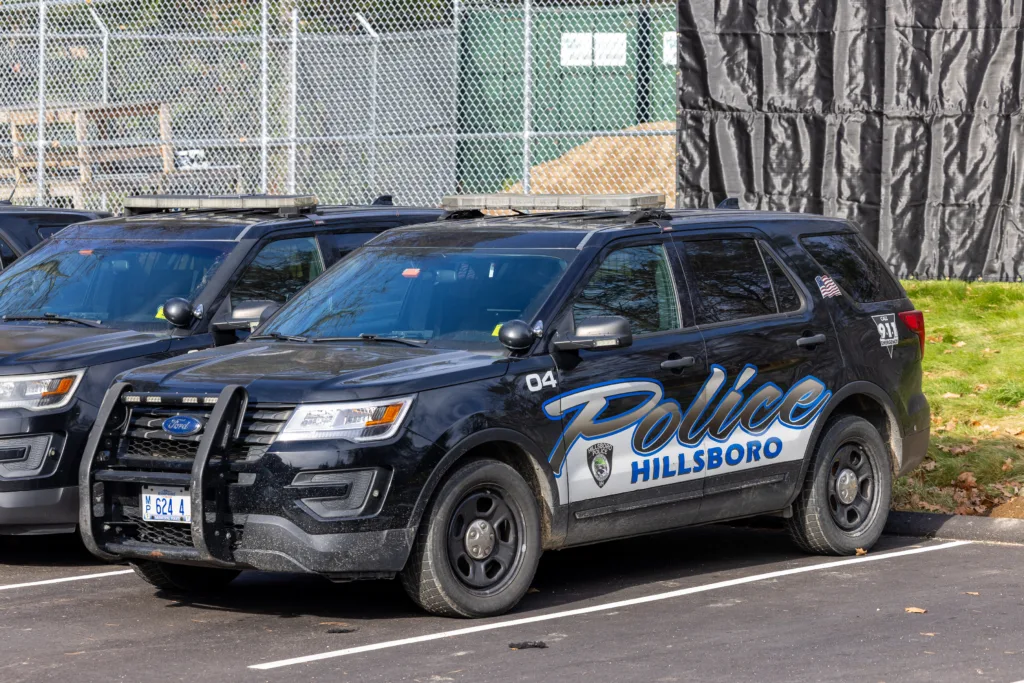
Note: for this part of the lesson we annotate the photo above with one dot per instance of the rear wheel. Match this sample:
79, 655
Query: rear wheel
478, 544
847, 491
183, 577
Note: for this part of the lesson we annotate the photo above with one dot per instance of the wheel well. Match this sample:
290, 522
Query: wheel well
869, 408
518, 459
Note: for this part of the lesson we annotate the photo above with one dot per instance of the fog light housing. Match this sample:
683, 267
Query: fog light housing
342, 493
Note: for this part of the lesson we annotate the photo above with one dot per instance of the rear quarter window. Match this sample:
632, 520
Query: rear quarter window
854, 266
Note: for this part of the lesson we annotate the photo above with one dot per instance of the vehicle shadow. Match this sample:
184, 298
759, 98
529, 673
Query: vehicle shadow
56, 550
611, 571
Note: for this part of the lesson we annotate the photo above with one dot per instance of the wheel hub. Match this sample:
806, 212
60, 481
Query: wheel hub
846, 486
480, 539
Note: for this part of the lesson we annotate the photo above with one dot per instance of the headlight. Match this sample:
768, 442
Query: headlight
39, 392
363, 421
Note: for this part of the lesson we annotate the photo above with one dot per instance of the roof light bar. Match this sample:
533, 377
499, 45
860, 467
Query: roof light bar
252, 202
553, 202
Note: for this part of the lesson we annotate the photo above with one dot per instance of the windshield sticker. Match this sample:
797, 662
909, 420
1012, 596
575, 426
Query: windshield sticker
888, 335
411, 272
656, 442
160, 313
497, 329
827, 286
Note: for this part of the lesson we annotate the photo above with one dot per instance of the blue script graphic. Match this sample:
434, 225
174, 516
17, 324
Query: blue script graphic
715, 416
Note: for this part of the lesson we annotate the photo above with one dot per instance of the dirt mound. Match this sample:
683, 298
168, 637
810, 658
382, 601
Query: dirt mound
605, 165
1014, 509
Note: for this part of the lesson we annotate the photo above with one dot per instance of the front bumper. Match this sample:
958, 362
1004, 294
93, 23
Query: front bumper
247, 512
39, 511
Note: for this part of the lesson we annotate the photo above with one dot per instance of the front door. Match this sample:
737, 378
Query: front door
774, 356
619, 407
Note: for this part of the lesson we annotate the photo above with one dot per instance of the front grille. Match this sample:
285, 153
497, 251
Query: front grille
145, 438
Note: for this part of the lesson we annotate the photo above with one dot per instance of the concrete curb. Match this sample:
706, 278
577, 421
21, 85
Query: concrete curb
957, 527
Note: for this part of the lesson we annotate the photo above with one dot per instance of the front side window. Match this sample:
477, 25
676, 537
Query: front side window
279, 270
853, 265
636, 284
441, 296
731, 280
121, 284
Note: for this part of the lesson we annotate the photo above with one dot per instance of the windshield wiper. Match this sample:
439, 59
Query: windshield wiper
51, 318
373, 338
280, 337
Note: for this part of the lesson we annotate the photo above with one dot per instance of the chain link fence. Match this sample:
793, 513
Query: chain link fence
345, 99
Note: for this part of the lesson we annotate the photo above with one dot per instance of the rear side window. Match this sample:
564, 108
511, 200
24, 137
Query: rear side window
854, 266
635, 283
336, 246
730, 279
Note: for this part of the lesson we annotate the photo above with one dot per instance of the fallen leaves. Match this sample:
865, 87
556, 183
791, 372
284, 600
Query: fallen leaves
950, 394
929, 465
960, 344
861, 551
915, 610
1007, 465
972, 593
529, 645
967, 481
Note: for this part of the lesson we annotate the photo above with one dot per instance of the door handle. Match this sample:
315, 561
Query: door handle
811, 341
678, 363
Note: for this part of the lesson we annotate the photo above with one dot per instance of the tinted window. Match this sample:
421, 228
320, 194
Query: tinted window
119, 283
447, 297
280, 270
336, 246
7, 255
635, 283
730, 279
785, 294
45, 231
854, 266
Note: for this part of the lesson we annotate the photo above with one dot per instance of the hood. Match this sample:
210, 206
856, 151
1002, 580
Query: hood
50, 347
296, 372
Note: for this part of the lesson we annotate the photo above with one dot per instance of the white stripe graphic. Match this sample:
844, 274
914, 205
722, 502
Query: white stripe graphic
83, 577
604, 607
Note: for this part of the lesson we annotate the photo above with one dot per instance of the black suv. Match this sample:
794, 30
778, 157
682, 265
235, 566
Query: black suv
23, 227
176, 275
453, 399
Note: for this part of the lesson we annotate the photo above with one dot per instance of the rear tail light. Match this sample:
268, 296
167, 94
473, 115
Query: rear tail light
915, 321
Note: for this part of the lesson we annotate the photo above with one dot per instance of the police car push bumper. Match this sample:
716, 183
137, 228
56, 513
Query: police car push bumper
268, 542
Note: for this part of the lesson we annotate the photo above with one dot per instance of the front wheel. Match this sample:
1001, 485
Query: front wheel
478, 544
845, 499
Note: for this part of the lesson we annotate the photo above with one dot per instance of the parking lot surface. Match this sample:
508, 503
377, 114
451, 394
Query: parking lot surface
713, 603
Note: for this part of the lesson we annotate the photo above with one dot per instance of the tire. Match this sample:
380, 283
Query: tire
442, 575
823, 521
179, 577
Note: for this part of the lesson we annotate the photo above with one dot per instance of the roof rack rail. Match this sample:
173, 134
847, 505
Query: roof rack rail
285, 205
503, 201
729, 203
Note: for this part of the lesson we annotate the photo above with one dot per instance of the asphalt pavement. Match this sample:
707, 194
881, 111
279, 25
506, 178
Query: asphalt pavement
712, 603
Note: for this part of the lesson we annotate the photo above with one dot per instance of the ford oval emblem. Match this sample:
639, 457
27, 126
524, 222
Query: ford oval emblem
182, 425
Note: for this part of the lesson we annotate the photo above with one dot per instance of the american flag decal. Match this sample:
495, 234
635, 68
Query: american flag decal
827, 286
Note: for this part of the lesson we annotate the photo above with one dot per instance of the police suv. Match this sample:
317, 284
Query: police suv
453, 399
174, 275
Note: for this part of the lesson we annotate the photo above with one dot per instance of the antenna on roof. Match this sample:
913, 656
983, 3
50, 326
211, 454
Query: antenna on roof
10, 197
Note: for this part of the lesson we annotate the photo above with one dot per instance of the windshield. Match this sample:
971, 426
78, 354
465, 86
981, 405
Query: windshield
119, 284
447, 297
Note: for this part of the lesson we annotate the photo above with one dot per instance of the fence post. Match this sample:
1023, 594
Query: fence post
41, 114
263, 95
293, 100
104, 55
374, 61
527, 87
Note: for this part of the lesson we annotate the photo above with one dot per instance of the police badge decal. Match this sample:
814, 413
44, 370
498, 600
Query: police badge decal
599, 457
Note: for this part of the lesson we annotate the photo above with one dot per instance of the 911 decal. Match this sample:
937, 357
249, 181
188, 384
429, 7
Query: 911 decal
656, 442
888, 335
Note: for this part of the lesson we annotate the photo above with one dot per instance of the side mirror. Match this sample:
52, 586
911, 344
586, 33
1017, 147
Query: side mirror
246, 315
516, 335
178, 312
597, 333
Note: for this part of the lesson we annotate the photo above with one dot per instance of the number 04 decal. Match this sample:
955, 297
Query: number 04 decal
535, 382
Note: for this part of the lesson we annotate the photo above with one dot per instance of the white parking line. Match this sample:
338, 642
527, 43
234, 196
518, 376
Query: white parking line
603, 607
83, 577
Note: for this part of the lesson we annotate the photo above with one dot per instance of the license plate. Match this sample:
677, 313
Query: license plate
166, 504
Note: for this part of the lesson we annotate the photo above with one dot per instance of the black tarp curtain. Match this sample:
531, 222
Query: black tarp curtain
901, 115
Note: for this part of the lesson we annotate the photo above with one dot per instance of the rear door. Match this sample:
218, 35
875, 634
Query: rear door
620, 407
774, 360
